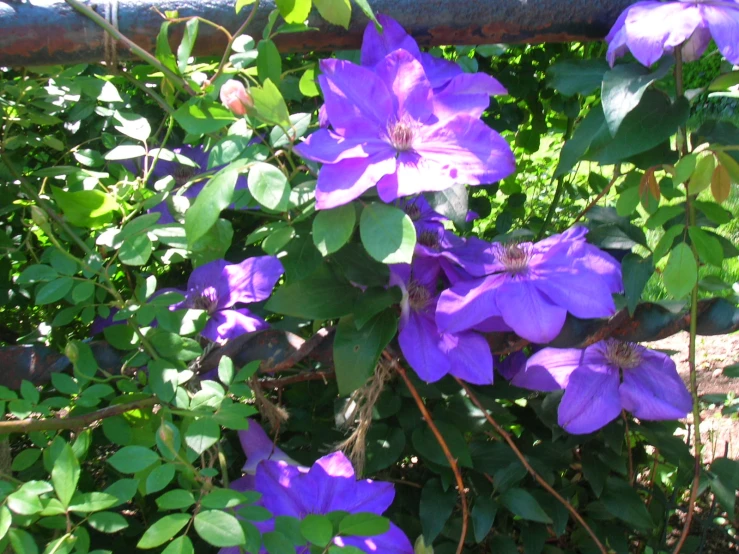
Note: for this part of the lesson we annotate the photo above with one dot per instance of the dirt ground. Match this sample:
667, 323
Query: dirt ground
720, 434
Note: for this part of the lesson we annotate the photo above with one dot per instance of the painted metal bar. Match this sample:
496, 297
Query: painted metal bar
45, 32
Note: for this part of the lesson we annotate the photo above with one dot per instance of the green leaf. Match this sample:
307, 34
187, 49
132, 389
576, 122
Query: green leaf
332, 229
226, 498
269, 186
180, 545
202, 434
269, 104
22, 542
367, 9
724, 479
522, 504
294, 11
321, 296
652, 122
133, 125
636, 272
277, 543
452, 202
317, 529
107, 522
164, 529
623, 88
52, 292
681, 272
241, 3
623, 502
186, 45
219, 528
6, 518
364, 524
163, 50
709, 248
372, 301
215, 197
385, 445
336, 12
123, 490
65, 474
86, 208
435, 508
269, 61
701, 178
25, 459
483, 517
88, 502
570, 77
37, 273
357, 351
126, 152
228, 149
132, 459
159, 478
425, 442
201, 115
307, 83
24, 502
299, 123
387, 233
177, 499
135, 250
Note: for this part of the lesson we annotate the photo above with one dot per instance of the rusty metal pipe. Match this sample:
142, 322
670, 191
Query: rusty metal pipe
45, 32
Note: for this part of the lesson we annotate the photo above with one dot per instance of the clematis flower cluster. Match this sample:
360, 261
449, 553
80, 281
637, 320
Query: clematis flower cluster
218, 286
402, 123
651, 29
531, 287
329, 485
604, 379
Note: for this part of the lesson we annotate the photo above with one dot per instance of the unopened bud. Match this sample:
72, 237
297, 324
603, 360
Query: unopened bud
421, 547
235, 97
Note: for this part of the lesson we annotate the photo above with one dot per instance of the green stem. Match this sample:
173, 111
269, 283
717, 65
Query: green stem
135, 48
690, 216
238, 32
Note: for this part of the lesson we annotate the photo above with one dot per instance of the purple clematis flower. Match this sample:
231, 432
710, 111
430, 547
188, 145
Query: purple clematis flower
387, 133
217, 286
329, 485
604, 379
532, 287
651, 29
431, 353
454, 90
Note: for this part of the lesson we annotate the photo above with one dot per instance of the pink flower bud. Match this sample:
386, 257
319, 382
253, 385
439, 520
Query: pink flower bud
235, 97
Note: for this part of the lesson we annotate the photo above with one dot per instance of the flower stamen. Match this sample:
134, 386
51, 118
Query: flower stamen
401, 135
515, 257
429, 239
207, 300
418, 296
624, 355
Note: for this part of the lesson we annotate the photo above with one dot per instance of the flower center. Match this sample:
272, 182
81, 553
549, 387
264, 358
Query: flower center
182, 174
207, 300
418, 296
429, 239
413, 211
624, 355
401, 135
514, 257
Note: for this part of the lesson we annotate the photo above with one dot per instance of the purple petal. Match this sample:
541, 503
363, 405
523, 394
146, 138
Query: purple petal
340, 183
414, 174
512, 365
332, 477
468, 303
550, 368
284, 490
439, 71
404, 77
606, 266
531, 314
591, 400
723, 22
244, 484
224, 325
252, 280
470, 357
258, 447
378, 44
616, 39
392, 542
356, 98
493, 324
654, 390
419, 340
655, 28
469, 151
581, 293
327, 147
467, 93
210, 277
